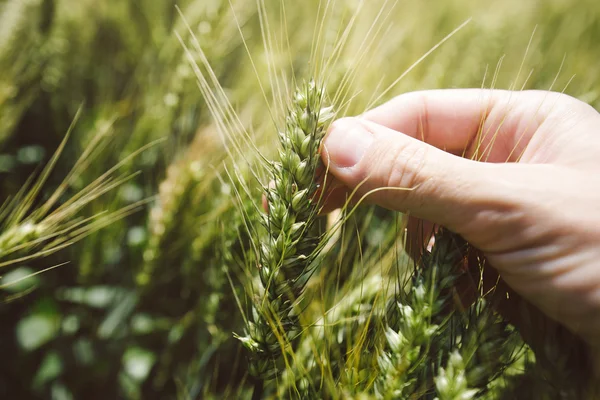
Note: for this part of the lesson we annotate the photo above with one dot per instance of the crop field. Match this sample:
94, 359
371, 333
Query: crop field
162, 234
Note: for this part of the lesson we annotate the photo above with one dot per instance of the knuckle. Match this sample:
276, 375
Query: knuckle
404, 166
559, 104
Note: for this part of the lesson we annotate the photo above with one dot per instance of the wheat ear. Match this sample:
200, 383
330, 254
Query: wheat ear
291, 246
422, 321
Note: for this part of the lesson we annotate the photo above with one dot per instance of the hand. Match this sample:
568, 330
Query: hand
517, 174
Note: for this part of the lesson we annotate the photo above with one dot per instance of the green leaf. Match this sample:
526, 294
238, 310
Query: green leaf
35, 330
138, 362
142, 324
51, 368
19, 280
100, 296
114, 322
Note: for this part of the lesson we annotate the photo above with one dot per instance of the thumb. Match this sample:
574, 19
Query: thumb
412, 176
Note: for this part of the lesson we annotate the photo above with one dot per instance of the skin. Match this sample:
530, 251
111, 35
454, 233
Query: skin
517, 174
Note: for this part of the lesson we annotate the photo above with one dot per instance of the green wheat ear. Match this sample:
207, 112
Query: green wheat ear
419, 325
291, 245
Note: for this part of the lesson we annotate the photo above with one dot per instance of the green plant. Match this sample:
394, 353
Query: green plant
289, 253
333, 307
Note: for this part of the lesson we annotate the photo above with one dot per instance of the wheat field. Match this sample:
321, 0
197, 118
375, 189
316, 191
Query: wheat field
161, 232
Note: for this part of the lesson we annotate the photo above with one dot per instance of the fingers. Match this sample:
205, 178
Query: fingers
489, 125
409, 146
446, 119
402, 173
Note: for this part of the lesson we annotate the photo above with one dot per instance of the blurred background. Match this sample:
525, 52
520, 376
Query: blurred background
144, 307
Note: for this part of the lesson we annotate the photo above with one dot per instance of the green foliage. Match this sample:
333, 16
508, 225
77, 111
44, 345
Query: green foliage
136, 141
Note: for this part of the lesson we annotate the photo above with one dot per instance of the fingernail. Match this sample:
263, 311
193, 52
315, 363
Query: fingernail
347, 142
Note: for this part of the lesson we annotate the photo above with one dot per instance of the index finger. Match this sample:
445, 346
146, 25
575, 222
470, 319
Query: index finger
499, 123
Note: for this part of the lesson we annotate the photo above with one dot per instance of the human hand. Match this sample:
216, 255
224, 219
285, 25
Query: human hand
531, 203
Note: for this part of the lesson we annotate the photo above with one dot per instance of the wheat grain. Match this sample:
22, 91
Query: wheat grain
451, 382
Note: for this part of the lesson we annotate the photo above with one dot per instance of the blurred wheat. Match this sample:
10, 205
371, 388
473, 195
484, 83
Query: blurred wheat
155, 201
